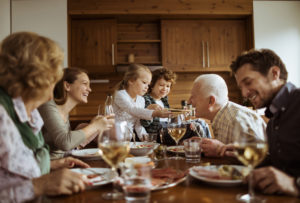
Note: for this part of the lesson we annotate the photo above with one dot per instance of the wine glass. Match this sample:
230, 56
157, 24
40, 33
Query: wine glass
176, 128
114, 149
107, 108
250, 147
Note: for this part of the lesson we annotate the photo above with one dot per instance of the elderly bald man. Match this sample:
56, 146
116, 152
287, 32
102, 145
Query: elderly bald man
209, 96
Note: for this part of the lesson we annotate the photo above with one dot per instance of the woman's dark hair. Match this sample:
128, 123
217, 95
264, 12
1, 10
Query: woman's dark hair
164, 73
70, 75
261, 60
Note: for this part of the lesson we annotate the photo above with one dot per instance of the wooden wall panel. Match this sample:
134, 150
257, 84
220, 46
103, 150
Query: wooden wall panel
117, 7
138, 31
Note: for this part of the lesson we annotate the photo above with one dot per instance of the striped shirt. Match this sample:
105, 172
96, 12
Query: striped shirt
233, 115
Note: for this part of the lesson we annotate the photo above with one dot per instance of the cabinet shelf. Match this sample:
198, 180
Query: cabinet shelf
140, 41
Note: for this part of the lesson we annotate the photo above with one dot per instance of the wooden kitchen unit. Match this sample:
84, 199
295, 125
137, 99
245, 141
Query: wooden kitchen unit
190, 37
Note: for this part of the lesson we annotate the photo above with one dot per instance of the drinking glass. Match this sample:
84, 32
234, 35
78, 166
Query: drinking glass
114, 149
192, 150
176, 128
250, 150
137, 183
107, 108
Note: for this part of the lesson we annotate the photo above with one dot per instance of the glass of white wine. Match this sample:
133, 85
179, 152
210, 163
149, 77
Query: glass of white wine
176, 128
114, 149
250, 147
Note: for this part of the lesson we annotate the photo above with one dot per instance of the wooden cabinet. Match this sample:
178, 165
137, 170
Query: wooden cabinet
201, 45
93, 45
141, 41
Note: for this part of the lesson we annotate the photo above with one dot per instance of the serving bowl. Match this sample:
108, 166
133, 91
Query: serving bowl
142, 148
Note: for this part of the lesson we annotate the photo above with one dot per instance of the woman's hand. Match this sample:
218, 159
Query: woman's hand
59, 182
103, 122
68, 162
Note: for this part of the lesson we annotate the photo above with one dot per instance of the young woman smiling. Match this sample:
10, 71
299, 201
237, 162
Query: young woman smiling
73, 89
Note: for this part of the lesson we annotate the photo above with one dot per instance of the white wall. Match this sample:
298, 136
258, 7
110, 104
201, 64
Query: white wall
4, 18
46, 17
277, 27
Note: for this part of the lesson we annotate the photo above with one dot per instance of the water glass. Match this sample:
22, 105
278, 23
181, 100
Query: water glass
192, 150
137, 184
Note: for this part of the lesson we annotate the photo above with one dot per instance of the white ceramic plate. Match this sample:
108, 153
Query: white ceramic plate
92, 153
142, 148
176, 149
104, 175
216, 182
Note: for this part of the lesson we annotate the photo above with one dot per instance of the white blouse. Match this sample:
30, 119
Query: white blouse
126, 109
17, 162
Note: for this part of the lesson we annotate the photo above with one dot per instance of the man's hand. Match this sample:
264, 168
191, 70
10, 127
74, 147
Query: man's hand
271, 180
211, 147
227, 150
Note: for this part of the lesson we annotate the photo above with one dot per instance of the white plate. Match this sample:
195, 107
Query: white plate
176, 149
92, 153
216, 182
105, 175
142, 151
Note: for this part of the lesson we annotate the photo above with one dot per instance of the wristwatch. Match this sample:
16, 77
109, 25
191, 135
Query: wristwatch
297, 183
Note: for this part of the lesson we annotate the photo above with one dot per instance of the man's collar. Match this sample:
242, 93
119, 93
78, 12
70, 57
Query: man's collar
280, 100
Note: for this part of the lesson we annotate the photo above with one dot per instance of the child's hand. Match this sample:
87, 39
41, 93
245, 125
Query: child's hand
162, 114
155, 107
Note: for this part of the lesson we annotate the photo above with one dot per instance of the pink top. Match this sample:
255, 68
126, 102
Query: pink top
17, 162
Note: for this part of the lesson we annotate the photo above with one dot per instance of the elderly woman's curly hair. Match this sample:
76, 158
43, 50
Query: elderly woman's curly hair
29, 64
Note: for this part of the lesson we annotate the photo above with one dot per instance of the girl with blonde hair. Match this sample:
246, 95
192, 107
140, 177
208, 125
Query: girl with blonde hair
129, 105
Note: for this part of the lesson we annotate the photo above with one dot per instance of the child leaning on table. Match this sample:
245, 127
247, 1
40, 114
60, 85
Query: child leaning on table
129, 105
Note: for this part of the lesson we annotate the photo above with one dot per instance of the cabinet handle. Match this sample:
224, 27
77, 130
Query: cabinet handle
203, 51
207, 47
113, 54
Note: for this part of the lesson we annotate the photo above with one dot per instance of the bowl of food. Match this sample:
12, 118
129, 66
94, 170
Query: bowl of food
142, 148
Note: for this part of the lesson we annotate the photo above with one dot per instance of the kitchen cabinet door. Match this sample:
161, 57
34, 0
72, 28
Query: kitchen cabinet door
201, 45
224, 41
182, 45
93, 45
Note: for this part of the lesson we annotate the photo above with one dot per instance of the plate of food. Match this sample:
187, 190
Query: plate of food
220, 175
92, 153
97, 176
176, 149
164, 178
142, 148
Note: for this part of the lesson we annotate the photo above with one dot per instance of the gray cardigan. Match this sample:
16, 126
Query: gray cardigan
58, 133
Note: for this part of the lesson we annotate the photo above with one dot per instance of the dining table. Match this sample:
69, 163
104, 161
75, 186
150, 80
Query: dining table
189, 191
